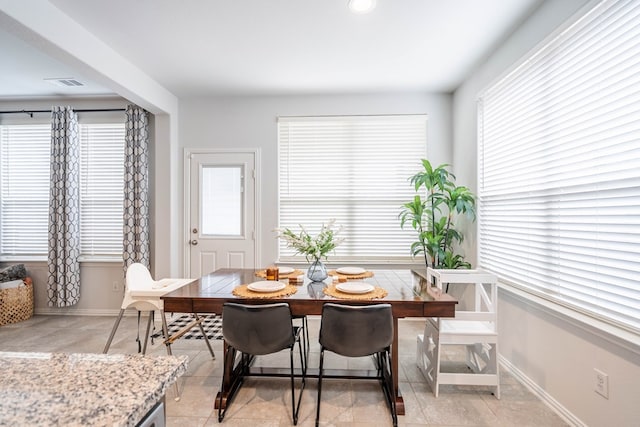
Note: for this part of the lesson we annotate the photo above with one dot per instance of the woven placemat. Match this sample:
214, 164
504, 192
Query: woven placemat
243, 291
364, 275
376, 293
294, 273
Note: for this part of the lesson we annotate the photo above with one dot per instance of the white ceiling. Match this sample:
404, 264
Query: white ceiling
23, 73
239, 47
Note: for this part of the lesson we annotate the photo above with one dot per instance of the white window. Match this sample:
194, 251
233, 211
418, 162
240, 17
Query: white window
559, 168
221, 195
101, 189
355, 170
24, 186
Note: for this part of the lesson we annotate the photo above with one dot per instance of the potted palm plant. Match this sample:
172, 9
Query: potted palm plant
433, 213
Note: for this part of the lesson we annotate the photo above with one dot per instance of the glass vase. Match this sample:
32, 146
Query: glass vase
317, 271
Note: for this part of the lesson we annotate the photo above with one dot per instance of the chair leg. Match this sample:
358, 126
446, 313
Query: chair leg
294, 410
293, 389
206, 338
387, 385
319, 386
113, 331
379, 363
146, 335
385, 376
138, 333
304, 327
305, 341
303, 363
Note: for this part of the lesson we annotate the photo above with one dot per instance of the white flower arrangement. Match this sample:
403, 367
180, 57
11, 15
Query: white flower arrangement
313, 248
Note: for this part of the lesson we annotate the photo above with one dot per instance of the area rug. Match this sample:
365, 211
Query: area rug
212, 325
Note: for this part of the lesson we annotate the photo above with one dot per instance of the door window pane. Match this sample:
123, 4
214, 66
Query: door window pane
221, 200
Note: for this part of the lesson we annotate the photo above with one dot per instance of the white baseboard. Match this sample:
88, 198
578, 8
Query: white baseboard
541, 394
52, 311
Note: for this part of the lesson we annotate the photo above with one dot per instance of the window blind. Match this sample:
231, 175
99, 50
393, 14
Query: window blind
353, 169
559, 168
24, 187
101, 189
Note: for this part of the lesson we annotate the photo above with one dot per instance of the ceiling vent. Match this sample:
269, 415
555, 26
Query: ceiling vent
65, 82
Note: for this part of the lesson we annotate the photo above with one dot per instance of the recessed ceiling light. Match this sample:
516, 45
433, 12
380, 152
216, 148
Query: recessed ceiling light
362, 6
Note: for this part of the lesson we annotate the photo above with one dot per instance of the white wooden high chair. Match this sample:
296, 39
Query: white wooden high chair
143, 293
476, 329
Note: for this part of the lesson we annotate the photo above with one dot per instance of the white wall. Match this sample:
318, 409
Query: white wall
250, 122
553, 352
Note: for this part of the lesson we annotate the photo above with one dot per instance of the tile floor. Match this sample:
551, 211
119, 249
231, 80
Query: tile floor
263, 401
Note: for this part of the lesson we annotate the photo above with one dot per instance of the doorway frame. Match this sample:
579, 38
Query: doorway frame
186, 212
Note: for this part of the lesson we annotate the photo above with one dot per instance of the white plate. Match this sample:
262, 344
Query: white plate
266, 286
285, 270
354, 287
350, 270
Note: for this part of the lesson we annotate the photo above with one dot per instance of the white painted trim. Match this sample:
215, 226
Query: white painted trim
257, 200
186, 202
186, 211
540, 393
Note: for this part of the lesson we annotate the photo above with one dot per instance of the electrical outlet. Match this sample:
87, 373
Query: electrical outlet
602, 383
115, 286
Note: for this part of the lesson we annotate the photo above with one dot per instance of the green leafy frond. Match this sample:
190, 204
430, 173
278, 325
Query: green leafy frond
432, 215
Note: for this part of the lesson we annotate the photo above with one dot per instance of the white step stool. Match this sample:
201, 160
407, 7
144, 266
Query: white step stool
475, 329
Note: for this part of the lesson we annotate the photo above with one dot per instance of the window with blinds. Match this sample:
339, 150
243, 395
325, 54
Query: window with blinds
24, 187
353, 169
101, 189
559, 168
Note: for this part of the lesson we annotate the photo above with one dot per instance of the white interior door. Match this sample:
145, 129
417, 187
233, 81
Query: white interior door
222, 211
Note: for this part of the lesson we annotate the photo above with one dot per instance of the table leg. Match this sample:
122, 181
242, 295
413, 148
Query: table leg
229, 357
395, 366
232, 376
165, 330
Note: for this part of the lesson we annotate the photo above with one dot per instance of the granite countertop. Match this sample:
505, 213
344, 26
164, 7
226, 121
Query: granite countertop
57, 389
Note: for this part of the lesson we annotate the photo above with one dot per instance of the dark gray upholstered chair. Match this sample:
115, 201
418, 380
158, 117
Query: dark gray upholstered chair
256, 330
357, 331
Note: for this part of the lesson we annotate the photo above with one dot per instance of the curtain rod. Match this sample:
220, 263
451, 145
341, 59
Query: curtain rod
32, 112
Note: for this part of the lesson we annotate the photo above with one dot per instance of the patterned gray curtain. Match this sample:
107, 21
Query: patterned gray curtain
136, 188
64, 209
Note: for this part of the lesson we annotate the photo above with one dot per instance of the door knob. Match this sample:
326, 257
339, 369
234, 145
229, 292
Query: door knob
194, 242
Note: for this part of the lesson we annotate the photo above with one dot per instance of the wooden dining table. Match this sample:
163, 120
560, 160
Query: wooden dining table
407, 291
